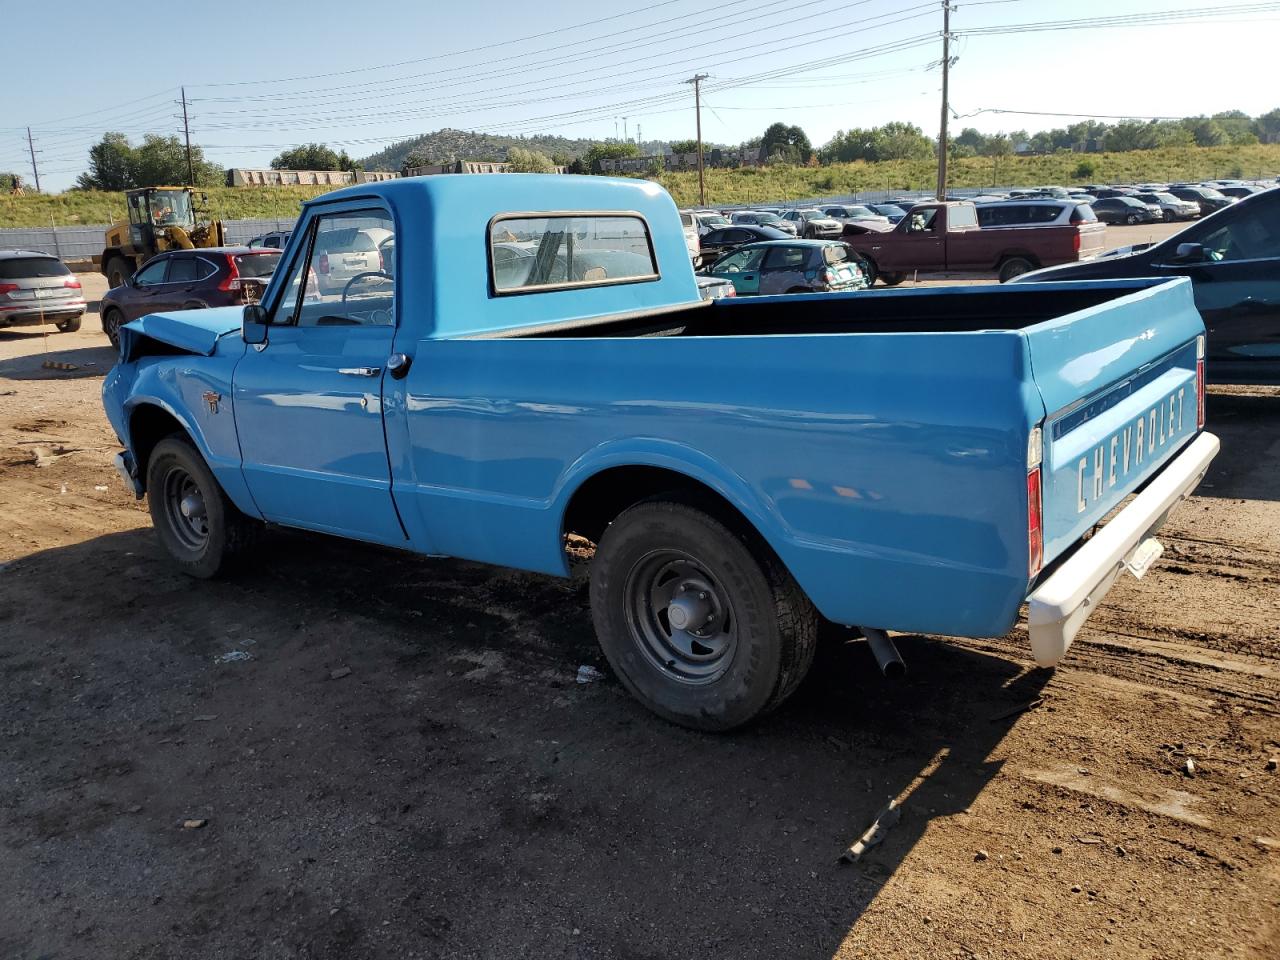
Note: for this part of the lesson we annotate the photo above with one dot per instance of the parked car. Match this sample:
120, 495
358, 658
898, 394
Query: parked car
925, 461
945, 237
1033, 213
813, 224
852, 213
275, 240
1239, 191
764, 218
891, 211
1110, 193
691, 239
1208, 199
1233, 260
719, 242
714, 288
1128, 210
1171, 208
188, 280
708, 220
789, 266
38, 288
342, 255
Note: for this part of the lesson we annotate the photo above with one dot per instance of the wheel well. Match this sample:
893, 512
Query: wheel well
1017, 255
599, 501
148, 425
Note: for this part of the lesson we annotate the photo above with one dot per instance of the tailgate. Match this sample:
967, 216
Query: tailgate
1119, 386
1093, 237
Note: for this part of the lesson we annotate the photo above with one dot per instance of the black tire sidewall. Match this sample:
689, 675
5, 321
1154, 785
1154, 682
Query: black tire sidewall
747, 686
111, 320
69, 326
207, 562
1009, 269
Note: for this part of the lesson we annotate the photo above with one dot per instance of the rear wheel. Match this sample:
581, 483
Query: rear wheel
1132, 219
111, 321
1015, 267
1169, 217
69, 326
701, 624
118, 271
200, 527
892, 279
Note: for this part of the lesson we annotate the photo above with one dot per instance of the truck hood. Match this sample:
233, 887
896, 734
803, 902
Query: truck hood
191, 331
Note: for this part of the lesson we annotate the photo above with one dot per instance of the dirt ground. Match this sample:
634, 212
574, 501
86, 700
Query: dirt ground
396, 760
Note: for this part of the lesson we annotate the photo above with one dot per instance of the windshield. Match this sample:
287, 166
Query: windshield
835, 253
889, 210
257, 264
1210, 192
171, 208
767, 218
860, 212
714, 220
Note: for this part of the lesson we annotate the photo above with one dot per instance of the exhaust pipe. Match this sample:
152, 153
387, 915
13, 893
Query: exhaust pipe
886, 654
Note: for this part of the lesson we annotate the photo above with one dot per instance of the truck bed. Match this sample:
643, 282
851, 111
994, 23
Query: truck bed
939, 310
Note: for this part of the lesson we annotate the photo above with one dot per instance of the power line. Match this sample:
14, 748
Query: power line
1154, 18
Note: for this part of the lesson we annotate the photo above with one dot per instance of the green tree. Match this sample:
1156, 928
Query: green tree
110, 165
163, 160
529, 161
609, 150
9, 182
1205, 132
684, 146
314, 156
787, 143
1267, 126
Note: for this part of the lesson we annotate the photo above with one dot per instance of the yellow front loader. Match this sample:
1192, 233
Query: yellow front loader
160, 218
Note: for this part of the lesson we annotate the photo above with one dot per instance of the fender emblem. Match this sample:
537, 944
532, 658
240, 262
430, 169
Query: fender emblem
212, 400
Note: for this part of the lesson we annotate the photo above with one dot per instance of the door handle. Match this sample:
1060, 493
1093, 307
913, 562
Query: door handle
360, 371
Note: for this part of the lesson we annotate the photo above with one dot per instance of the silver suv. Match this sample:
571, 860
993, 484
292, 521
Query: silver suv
38, 288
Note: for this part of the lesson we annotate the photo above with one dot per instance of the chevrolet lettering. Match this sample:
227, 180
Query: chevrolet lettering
522, 364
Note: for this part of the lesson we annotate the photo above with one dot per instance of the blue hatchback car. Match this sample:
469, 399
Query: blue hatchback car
790, 266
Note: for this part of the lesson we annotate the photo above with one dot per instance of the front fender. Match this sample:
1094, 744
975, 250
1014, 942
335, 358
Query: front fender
195, 392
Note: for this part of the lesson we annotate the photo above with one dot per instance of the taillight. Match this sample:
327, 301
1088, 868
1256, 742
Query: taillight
72, 284
232, 281
8, 287
1035, 513
827, 276
323, 265
1075, 241
1200, 382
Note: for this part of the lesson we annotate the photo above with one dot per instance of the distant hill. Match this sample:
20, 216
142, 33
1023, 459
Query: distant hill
449, 144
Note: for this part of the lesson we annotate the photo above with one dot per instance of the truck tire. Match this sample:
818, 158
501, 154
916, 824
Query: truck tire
1015, 267
112, 320
745, 634
870, 271
118, 271
200, 527
70, 326
892, 279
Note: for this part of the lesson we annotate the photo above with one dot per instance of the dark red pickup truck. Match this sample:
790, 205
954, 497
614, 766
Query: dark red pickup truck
946, 238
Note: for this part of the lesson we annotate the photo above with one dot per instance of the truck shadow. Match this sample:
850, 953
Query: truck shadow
458, 754
88, 361
1248, 423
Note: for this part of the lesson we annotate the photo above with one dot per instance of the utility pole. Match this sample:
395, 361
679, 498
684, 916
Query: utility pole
639, 139
186, 130
624, 129
696, 80
946, 69
35, 171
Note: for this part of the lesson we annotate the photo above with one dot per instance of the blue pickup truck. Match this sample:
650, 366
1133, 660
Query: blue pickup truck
526, 368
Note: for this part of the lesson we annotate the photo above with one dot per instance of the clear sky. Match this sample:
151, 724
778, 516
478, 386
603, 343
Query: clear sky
267, 75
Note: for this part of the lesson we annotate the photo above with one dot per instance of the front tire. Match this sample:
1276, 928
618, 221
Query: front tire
1132, 219
1169, 217
892, 279
196, 522
112, 320
118, 272
702, 625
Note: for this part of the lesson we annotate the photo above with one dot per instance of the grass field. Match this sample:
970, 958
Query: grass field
76, 207
747, 185
759, 184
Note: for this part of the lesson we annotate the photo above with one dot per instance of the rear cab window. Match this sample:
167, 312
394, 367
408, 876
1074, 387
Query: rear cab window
27, 268
256, 264
528, 254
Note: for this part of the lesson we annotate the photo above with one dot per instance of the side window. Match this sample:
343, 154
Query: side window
962, 217
1255, 236
711, 239
570, 250
181, 270
922, 220
741, 261
338, 277
205, 269
152, 273
786, 258
993, 216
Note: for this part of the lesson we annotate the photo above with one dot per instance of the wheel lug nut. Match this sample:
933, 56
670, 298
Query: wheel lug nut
702, 594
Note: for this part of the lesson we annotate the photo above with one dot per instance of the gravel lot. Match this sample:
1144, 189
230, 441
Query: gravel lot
401, 764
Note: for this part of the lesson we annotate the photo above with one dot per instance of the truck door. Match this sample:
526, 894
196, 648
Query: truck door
923, 246
308, 402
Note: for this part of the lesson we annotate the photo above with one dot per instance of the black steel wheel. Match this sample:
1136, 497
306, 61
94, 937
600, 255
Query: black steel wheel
196, 522
698, 618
